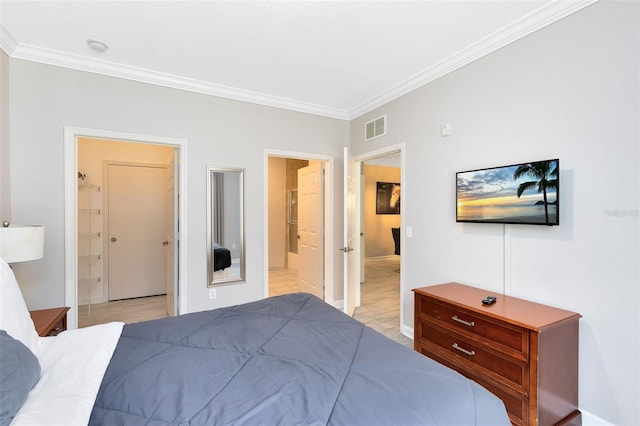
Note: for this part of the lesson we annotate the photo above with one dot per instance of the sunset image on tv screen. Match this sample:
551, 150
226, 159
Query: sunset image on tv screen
522, 193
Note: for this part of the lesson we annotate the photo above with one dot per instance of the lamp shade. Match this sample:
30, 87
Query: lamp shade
19, 243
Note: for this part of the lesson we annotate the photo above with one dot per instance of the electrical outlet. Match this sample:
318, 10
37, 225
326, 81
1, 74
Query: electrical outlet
212, 293
445, 129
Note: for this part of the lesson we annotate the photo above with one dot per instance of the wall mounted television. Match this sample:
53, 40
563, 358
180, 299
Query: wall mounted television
525, 193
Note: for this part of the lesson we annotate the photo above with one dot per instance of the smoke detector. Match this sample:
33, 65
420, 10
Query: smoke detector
97, 45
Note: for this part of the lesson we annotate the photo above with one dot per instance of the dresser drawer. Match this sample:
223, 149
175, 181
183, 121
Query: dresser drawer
509, 371
497, 332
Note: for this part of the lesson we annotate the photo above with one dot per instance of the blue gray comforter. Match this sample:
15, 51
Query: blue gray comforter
287, 360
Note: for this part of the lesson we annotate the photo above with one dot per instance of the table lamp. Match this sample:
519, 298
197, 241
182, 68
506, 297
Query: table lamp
20, 243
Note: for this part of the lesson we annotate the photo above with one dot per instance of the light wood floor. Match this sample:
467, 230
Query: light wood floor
127, 311
380, 299
379, 294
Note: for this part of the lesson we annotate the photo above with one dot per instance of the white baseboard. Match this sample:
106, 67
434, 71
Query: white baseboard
94, 300
393, 256
407, 331
589, 419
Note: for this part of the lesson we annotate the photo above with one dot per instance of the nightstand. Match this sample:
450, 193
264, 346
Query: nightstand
50, 322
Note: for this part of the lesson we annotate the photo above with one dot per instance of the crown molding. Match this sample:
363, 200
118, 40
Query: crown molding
539, 18
97, 66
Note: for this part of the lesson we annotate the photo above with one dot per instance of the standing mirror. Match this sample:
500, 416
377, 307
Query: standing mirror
225, 223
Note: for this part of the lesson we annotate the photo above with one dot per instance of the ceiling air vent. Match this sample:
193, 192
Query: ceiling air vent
375, 128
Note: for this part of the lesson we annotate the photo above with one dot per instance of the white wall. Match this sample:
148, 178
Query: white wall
570, 91
220, 132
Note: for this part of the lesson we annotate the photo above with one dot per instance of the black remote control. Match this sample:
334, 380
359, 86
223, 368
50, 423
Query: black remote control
489, 300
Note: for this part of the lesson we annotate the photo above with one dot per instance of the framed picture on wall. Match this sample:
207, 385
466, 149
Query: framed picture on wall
387, 198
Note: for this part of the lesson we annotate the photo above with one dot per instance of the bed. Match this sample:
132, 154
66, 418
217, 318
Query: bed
290, 360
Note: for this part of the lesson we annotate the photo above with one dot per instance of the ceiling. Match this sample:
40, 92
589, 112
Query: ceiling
333, 58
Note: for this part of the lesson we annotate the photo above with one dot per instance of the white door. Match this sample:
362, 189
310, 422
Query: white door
136, 226
311, 235
351, 238
171, 252
361, 202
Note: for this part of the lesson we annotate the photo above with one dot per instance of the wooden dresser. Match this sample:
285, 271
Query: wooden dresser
524, 352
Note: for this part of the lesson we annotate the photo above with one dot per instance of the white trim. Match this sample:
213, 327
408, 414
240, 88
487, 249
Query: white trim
374, 258
407, 331
370, 155
71, 208
539, 18
589, 419
329, 192
128, 72
381, 152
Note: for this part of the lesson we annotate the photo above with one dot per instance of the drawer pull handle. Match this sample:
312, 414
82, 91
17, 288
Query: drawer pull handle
470, 324
464, 351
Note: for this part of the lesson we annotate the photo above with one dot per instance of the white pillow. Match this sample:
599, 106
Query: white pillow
73, 365
14, 315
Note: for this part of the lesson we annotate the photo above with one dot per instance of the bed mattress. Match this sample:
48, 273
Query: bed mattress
290, 360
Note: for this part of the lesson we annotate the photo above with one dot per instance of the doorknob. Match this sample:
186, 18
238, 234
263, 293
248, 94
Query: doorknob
114, 239
165, 243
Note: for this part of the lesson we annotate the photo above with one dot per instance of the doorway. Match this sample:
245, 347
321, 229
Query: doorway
381, 242
296, 241
131, 148
123, 243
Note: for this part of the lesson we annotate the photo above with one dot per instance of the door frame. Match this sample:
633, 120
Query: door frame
71, 135
329, 190
370, 155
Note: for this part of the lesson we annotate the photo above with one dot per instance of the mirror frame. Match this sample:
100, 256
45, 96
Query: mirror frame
211, 281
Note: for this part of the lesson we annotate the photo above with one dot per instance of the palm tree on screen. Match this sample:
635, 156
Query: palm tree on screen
545, 174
